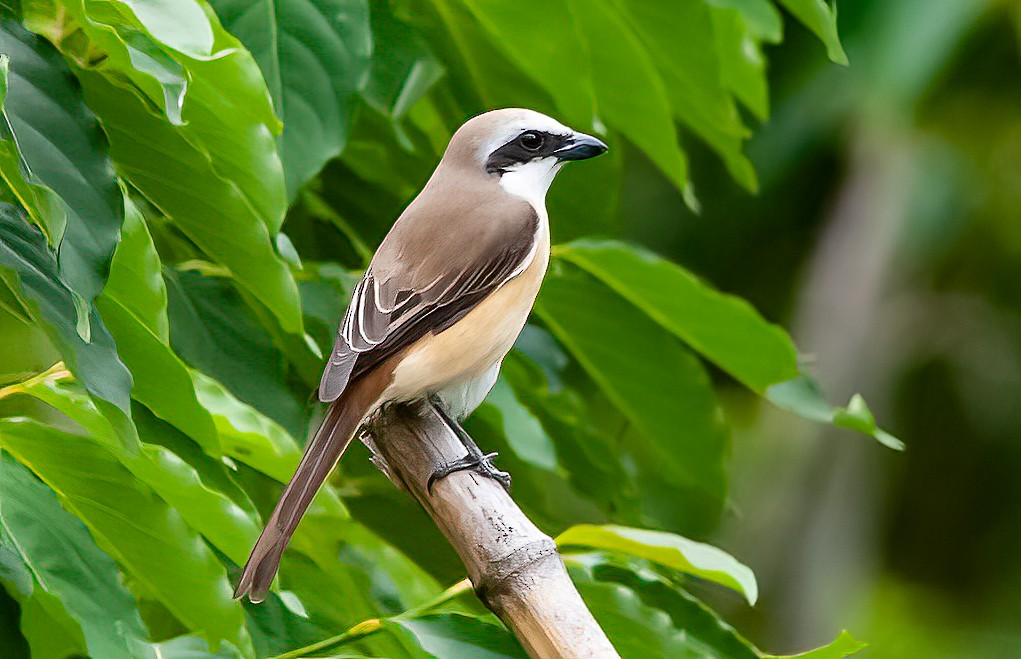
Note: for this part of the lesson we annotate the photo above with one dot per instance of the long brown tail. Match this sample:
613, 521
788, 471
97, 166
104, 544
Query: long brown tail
342, 420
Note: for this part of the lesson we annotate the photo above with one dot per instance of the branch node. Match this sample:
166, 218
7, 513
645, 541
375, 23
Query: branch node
505, 574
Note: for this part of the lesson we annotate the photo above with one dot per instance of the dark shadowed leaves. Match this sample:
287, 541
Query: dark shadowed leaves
62, 560
30, 269
134, 525
214, 211
62, 147
651, 377
453, 635
667, 549
314, 55
212, 330
820, 17
725, 329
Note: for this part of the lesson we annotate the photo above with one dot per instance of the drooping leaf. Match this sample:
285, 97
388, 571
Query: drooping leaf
48, 628
65, 562
212, 330
668, 549
802, 396
653, 379
842, 646
46, 209
231, 528
636, 630
725, 329
645, 614
663, 594
136, 275
585, 448
630, 94
194, 647
452, 635
60, 145
30, 270
132, 524
563, 70
524, 432
762, 17
820, 17
314, 55
404, 68
204, 199
245, 434
742, 63
134, 308
681, 40
209, 89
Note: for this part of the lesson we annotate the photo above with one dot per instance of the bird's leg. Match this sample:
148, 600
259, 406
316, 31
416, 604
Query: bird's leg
476, 460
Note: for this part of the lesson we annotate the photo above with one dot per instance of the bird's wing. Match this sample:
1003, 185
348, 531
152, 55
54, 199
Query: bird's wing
421, 282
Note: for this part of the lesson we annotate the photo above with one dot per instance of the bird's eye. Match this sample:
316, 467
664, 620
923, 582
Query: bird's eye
531, 140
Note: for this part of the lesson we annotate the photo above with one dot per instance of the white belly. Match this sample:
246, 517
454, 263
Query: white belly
461, 363
462, 398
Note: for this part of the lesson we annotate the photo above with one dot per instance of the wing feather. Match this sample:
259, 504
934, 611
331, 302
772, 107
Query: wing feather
388, 314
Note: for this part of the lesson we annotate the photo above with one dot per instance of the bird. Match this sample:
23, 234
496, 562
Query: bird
439, 306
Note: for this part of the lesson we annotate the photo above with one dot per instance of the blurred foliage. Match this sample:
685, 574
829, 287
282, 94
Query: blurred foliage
189, 191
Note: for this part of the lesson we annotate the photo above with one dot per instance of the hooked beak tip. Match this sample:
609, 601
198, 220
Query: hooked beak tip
581, 147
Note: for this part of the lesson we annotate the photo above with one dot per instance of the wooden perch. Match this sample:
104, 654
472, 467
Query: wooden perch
513, 566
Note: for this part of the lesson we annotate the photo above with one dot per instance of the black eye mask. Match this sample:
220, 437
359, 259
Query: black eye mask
527, 146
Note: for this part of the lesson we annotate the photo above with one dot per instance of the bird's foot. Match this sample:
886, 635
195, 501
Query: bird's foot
479, 463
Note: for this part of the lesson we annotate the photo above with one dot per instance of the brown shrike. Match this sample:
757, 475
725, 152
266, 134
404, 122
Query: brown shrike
446, 295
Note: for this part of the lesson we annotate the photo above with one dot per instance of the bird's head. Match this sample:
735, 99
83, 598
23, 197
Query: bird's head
523, 149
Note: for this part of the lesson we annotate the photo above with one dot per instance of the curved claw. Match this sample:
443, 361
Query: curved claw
481, 464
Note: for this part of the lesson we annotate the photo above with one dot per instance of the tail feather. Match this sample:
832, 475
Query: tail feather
322, 453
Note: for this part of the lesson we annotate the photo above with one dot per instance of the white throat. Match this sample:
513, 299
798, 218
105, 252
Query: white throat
531, 181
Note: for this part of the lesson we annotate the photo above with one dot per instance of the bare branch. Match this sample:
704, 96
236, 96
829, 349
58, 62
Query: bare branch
514, 567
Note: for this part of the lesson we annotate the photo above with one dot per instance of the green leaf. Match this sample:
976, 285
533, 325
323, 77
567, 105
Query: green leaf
453, 635
707, 632
62, 147
524, 433
742, 63
667, 549
802, 396
65, 562
226, 113
680, 38
725, 329
134, 525
42, 204
136, 275
314, 55
206, 195
842, 646
30, 269
637, 631
653, 379
821, 18
230, 527
409, 69
134, 308
193, 647
212, 330
245, 434
762, 17
49, 628
630, 94
586, 448
562, 69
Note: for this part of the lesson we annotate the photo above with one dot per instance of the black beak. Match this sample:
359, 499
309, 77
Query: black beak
580, 147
